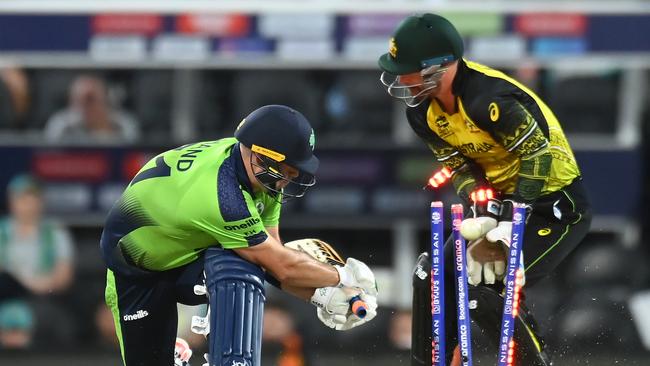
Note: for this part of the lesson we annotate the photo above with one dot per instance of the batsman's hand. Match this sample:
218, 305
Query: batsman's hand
350, 320
333, 301
356, 274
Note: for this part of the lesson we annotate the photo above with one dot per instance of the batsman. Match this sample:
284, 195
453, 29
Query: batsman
502, 145
199, 224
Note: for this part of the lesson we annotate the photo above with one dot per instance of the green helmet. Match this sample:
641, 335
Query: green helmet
425, 43
421, 41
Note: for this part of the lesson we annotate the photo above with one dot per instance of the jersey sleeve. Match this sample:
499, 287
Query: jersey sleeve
271, 213
513, 126
462, 171
236, 224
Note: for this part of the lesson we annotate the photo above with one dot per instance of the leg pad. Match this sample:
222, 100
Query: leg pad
236, 296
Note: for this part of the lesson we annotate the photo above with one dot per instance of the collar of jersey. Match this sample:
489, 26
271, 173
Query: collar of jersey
458, 83
240, 169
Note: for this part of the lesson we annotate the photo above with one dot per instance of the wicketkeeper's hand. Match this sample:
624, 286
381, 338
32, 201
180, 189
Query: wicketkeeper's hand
485, 211
502, 234
486, 262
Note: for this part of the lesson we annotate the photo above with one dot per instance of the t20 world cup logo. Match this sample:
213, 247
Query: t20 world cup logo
435, 217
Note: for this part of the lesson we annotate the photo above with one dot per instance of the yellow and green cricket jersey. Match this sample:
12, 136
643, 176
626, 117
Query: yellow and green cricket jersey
500, 132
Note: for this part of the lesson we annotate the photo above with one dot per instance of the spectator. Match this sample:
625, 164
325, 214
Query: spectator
105, 326
90, 116
14, 97
16, 325
399, 330
279, 330
36, 256
35, 251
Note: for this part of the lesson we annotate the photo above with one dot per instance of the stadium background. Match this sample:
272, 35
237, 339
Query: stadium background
191, 70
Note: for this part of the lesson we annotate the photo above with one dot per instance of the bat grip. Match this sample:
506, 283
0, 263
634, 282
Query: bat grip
358, 306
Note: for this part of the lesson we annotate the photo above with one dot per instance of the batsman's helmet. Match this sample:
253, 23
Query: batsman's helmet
277, 134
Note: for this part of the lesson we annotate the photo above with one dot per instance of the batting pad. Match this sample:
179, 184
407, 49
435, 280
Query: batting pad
236, 296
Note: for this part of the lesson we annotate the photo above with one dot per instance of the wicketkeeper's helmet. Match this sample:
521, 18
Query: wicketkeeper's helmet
424, 43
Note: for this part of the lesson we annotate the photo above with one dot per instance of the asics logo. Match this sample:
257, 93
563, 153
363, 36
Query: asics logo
138, 315
238, 363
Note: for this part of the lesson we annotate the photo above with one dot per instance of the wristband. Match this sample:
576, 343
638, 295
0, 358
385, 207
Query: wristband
345, 278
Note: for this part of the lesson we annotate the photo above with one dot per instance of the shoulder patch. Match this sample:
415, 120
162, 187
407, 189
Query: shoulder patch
493, 108
232, 203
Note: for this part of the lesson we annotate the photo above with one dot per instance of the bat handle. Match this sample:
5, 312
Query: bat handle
358, 307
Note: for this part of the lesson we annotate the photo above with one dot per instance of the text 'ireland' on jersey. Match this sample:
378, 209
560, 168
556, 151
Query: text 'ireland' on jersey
185, 200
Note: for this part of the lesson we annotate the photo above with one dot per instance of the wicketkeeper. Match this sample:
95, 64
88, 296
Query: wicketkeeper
201, 220
502, 144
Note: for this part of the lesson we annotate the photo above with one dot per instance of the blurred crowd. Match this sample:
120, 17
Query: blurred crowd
36, 266
138, 106
125, 107
89, 114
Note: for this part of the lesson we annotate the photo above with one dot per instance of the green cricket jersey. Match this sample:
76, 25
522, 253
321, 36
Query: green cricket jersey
185, 200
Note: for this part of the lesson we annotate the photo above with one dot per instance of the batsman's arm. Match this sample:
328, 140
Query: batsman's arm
304, 293
274, 231
292, 268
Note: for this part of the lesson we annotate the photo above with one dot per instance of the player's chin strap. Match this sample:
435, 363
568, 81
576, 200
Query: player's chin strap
270, 174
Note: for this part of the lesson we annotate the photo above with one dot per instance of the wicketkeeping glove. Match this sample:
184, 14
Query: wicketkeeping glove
502, 233
485, 211
486, 262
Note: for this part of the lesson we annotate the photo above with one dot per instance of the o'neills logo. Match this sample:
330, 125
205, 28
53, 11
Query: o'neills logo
138, 315
250, 222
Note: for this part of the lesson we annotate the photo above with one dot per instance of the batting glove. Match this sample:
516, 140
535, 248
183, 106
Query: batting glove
350, 320
356, 274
